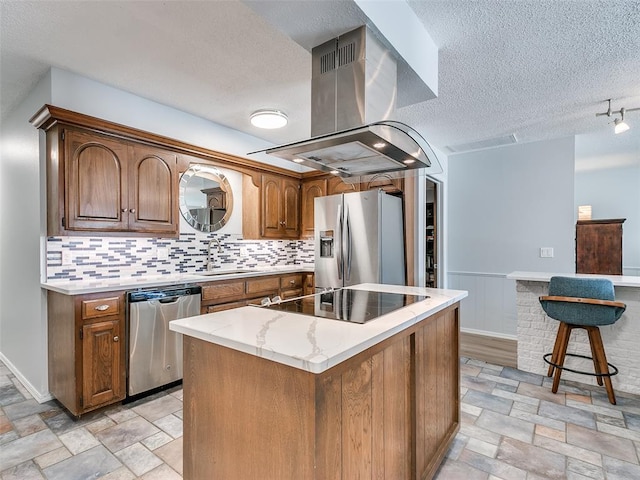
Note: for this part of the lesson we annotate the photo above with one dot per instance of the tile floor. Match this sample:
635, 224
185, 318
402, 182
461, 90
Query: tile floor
512, 428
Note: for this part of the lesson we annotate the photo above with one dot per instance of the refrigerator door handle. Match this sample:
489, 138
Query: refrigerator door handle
338, 237
349, 246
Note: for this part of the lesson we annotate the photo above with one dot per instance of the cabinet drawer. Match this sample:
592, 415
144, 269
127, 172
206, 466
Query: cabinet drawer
100, 307
290, 282
286, 294
223, 292
263, 285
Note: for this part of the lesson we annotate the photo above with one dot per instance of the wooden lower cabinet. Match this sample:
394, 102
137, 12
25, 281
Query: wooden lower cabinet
227, 294
308, 284
389, 412
87, 348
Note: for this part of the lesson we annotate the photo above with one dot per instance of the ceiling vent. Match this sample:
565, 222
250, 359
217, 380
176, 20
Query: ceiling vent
482, 144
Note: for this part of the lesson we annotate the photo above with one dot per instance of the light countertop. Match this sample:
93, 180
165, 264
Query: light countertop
311, 343
618, 280
78, 287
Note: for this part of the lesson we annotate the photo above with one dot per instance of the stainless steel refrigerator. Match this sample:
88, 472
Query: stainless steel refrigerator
359, 238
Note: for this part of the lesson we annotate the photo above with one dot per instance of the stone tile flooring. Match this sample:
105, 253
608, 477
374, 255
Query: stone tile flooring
512, 428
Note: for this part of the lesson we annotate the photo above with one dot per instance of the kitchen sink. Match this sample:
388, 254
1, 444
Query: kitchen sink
223, 272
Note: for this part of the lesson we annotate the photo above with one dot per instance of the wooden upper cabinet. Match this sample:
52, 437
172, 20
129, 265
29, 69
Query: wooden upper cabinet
96, 187
115, 186
291, 208
335, 185
280, 207
153, 194
384, 182
271, 206
310, 191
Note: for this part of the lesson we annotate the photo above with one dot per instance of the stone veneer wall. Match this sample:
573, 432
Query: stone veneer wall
537, 333
86, 258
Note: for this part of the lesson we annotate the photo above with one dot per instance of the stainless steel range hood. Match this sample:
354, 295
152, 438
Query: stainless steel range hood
353, 93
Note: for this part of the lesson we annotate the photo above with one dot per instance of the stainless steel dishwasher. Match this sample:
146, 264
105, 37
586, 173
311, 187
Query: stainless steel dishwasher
155, 352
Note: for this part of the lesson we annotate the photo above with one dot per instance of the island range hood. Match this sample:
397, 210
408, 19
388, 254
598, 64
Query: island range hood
353, 94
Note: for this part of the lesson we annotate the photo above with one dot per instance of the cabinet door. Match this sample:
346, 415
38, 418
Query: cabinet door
311, 190
271, 206
384, 182
102, 379
152, 190
308, 284
96, 186
290, 208
335, 185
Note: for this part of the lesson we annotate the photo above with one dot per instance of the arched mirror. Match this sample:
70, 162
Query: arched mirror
206, 200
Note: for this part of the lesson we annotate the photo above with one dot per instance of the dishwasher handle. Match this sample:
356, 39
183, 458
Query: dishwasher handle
169, 299
168, 295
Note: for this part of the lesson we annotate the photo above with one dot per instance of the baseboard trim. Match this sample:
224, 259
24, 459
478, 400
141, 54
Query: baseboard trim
498, 350
38, 396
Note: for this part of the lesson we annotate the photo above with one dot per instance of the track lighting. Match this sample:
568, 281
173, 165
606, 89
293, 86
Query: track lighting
620, 125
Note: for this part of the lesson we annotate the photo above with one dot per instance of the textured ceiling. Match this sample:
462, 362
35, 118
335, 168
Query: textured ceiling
537, 69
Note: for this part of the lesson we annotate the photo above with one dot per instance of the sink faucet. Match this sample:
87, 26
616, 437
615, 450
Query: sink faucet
210, 260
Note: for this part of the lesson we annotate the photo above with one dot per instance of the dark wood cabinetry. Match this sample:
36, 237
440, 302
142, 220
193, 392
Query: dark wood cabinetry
384, 182
599, 246
86, 350
111, 185
310, 191
309, 285
336, 185
271, 207
280, 207
227, 294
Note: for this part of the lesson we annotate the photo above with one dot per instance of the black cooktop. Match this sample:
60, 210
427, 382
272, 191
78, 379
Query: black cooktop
357, 306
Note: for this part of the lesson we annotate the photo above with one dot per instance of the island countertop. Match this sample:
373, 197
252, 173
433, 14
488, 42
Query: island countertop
310, 343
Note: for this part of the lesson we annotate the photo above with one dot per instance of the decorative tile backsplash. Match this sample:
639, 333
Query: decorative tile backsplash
85, 258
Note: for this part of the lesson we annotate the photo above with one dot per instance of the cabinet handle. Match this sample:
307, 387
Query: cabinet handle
124, 210
102, 308
133, 210
292, 282
282, 223
116, 338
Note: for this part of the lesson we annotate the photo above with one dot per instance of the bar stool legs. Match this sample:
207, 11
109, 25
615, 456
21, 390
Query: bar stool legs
600, 364
595, 339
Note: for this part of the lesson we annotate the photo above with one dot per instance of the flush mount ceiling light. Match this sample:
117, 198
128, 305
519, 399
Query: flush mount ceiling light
620, 124
268, 119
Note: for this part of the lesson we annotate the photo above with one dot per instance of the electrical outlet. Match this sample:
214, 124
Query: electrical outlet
546, 252
244, 252
162, 253
67, 258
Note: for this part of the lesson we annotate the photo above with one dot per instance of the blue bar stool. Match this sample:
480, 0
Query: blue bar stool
581, 303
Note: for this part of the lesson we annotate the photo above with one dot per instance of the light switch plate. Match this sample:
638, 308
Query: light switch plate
162, 253
67, 258
546, 252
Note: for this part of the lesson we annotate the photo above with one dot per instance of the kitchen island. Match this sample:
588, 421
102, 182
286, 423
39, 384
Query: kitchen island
277, 395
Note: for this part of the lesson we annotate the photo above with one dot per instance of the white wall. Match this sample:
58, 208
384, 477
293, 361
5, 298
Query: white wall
23, 320
503, 205
23, 326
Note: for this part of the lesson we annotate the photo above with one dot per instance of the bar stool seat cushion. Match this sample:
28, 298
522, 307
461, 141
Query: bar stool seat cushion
578, 313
